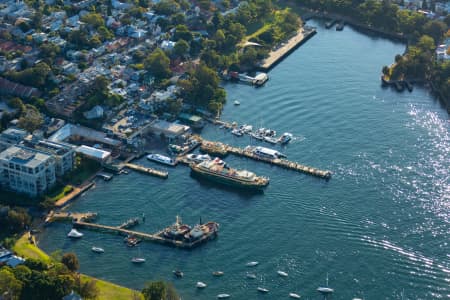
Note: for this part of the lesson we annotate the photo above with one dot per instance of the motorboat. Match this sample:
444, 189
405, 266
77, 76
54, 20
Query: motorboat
161, 159
285, 138
178, 273
257, 136
201, 285
325, 289
75, 234
237, 132
252, 263
294, 295
270, 140
250, 276
236, 102
138, 260
262, 290
282, 274
223, 296
197, 158
97, 249
217, 273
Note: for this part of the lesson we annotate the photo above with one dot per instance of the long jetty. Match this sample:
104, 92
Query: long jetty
145, 170
275, 56
82, 220
212, 147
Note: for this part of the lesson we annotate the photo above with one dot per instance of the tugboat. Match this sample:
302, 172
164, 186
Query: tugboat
218, 171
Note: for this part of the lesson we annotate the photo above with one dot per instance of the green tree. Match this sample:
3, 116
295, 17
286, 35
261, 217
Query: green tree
87, 289
93, 19
181, 48
71, 261
182, 32
158, 64
10, 287
31, 119
159, 290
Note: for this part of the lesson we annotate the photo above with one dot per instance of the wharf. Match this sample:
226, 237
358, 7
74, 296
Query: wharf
277, 55
69, 216
72, 195
212, 147
145, 170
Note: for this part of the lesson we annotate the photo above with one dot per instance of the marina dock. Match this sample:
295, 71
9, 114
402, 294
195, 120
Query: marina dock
275, 56
217, 147
82, 220
145, 170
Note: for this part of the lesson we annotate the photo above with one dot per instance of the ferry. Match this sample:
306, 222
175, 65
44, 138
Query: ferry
161, 159
264, 152
218, 171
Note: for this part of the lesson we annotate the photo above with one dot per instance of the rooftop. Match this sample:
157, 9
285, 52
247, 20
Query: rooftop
24, 156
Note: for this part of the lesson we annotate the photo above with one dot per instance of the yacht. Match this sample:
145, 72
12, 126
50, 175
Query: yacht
236, 102
325, 289
197, 158
237, 132
201, 285
75, 234
217, 273
223, 296
294, 295
270, 140
262, 290
252, 263
161, 159
97, 249
282, 274
138, 260
264, 152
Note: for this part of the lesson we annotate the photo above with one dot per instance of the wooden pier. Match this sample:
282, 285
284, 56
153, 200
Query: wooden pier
70, 216
145, 170
213, 146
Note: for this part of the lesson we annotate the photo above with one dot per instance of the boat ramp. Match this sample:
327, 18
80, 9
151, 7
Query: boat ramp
223, 149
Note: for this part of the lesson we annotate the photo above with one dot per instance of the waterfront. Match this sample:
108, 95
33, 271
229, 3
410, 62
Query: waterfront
380, 226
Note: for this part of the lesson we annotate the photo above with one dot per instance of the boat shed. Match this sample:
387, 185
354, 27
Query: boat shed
171, 131
94, 153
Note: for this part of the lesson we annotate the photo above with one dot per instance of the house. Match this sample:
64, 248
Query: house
443, 50
167, 45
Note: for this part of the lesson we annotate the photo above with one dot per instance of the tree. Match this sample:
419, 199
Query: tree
71, 261
426, 43
87, 289
160, 290
181, 48
385, 70
93, 19
182, 32
10, 287
158, 64
31, 119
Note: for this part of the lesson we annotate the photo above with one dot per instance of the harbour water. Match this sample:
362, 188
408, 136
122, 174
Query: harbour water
380, 227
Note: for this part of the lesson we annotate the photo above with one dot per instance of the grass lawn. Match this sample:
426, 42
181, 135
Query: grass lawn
108, 290
111, 291
58, 192
25, 249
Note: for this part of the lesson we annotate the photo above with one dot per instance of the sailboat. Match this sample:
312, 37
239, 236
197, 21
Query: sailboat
326, 289
138, 259
294, 295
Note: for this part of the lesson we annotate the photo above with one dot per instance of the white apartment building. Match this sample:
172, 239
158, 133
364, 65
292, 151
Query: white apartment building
26, 171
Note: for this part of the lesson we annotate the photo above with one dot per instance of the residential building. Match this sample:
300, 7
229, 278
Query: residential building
25, 170
11, 137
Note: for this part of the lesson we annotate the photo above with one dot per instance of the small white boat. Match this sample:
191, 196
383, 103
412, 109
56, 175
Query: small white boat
282, 274
285, 138
201, 285
257, 136
262, 290
138, 260
237, 132
217, 273
325, 289
270, 140
252, 263
236, 102
250, 276
198, 158
97, 249
223, 296
294, 295
161, 159
75, 234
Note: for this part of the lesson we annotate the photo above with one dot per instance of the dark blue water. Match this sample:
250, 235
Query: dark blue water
380, 227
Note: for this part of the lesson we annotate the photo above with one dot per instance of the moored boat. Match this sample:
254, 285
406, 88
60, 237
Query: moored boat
201, 285
97, 249
252, 264
270, 140
294, 295
325, 289
161, 159
262, 290
250, 276
138, 260
285, 138
178, 273
217, 273
237, 132
282, 274
218, 171
223, 296
74, 234
236, 102
197, 158
264, 152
